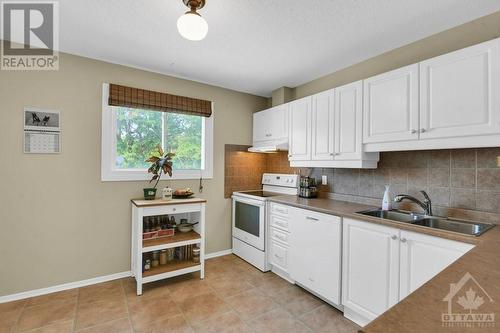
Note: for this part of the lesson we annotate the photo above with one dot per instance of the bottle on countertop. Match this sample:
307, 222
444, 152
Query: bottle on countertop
386, 200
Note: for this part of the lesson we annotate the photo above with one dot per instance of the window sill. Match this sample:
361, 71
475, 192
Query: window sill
123, 175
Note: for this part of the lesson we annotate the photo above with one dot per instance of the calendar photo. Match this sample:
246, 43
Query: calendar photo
35, 119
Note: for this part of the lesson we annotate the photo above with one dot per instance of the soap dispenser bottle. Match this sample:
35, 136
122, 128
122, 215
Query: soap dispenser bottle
386, 200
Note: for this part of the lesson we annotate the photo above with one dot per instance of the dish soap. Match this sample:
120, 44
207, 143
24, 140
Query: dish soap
386, 200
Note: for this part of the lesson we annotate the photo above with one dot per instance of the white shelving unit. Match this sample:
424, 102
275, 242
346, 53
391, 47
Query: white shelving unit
192, 209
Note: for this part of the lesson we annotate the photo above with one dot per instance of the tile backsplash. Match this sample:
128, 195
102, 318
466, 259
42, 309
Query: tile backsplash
458, 178
243, 170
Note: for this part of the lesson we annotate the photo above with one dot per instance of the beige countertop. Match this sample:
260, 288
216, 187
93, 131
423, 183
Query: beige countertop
421, 311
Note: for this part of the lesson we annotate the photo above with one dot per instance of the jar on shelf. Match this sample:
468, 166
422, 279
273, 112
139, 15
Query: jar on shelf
196, 255
170, 254
163, 257
147, 265
156, 259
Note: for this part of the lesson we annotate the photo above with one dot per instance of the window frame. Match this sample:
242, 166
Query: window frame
109, 172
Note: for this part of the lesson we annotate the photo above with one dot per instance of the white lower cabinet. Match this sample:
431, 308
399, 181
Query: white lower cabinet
423, 256
382, 265
315, 253
370, 270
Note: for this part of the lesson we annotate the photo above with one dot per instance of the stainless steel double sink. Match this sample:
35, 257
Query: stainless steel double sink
435, 222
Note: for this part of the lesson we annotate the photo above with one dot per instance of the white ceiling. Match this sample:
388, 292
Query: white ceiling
255, 46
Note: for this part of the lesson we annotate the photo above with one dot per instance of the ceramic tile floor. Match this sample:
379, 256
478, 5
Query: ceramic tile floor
233, 297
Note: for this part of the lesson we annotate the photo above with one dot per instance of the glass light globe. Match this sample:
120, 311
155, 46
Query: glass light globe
192, 26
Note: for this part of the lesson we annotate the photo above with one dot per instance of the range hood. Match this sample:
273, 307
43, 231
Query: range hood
269, 147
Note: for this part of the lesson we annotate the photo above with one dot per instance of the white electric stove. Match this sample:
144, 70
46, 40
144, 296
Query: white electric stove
249, 217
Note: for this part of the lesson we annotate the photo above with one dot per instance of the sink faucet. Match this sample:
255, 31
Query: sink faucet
426, 204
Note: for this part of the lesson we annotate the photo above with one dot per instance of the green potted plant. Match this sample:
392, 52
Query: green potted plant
160, 162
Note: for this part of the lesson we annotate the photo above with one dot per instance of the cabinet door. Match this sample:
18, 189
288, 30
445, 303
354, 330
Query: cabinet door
370, 268
278, 122
390, 106
315, 253
423, 257
460, 92
260, 126
348, 121
323, 113
300, 130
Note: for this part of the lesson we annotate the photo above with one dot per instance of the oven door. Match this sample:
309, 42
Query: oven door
248, 221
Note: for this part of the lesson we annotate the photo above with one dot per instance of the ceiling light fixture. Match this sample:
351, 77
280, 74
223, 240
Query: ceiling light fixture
191, 25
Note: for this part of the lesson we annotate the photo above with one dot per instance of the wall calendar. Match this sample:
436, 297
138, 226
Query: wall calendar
42, 131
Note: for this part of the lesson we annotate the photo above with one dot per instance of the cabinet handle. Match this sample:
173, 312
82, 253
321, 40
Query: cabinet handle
331, 154
394, 237
278, 256
289, 155
403, 240
279, 237
268, 134
311, 279
423, 130
413, 131
284, 211
312, 218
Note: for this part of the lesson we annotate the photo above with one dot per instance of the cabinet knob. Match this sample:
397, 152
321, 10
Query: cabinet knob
403, 240
413, 131
394, 237
422, 130
331, 154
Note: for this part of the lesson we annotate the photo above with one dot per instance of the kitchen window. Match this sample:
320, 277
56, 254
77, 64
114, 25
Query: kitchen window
130, 134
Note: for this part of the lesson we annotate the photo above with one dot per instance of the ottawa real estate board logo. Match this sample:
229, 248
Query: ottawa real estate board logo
30, 35
469, 305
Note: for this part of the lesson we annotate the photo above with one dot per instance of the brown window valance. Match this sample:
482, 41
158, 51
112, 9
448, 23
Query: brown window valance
152, 100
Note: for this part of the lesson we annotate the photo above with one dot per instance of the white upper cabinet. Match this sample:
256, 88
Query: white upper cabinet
323, 119
460, 93
391, 106
260, 130
348, 121
271, 124
299, 148
424, 256
330, 134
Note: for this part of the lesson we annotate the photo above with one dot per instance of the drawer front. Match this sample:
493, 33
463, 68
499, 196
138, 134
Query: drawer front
278, 209
280, 236
280, 223
279, 256
173, 209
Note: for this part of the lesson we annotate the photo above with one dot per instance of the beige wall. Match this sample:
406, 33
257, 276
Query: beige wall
474, 32
58, 222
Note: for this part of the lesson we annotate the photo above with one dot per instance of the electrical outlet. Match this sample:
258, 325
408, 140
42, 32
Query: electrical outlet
324, 180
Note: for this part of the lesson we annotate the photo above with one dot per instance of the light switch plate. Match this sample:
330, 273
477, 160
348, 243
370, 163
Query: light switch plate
324, 180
